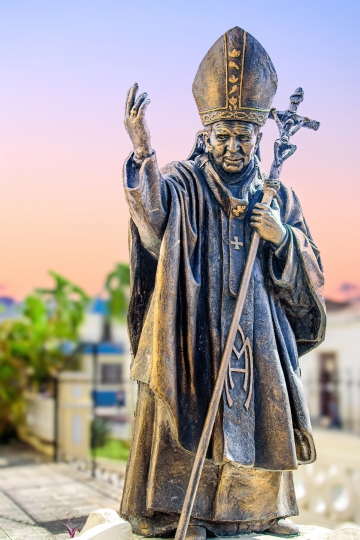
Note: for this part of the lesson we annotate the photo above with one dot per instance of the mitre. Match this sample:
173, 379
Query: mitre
236, 80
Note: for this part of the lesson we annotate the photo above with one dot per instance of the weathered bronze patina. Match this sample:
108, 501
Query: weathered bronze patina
192, 231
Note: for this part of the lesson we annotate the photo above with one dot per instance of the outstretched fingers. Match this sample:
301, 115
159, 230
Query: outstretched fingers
135, 122
143, 107
130, 98
140, 100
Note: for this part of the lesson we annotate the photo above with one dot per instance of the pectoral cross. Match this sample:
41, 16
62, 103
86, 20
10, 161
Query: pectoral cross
236, 243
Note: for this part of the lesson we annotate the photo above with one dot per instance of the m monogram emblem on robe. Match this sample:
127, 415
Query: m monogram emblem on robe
248, 370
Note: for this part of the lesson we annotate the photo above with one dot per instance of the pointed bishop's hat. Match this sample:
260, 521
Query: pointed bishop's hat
235, 81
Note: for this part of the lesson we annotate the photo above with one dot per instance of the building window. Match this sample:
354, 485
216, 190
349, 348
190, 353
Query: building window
121, 398
111, 373
77, 429
329, 390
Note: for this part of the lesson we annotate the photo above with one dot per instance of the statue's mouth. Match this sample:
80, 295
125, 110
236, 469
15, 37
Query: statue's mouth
233, 161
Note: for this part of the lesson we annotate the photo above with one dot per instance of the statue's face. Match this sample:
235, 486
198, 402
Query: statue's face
232, 144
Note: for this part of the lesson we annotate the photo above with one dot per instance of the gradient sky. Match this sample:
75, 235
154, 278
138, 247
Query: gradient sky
65, 67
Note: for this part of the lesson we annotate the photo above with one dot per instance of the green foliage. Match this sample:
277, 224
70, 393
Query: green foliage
67, 307
34, 344
100, 432
113, 449
51, 318
12, 382
117, 285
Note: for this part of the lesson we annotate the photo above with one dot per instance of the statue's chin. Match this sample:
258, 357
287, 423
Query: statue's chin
233, 168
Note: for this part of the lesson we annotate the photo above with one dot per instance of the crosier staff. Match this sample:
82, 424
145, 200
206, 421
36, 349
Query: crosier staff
288, 122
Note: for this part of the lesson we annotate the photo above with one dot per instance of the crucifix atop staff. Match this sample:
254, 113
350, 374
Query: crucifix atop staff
218, 320
288, 123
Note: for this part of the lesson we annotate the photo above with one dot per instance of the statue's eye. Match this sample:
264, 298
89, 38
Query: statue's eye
222, 137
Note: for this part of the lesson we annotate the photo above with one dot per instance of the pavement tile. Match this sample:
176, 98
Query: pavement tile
37, 496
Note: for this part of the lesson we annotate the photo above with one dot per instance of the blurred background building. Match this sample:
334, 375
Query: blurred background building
331, 373
328, 491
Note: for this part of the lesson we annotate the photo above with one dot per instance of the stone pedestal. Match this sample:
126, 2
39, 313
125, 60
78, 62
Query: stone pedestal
308, 532
105, 524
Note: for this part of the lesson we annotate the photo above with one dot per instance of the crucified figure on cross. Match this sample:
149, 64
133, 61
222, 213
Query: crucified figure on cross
288, 122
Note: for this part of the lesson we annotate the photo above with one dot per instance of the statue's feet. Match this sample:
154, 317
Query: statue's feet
281, 527
196, 532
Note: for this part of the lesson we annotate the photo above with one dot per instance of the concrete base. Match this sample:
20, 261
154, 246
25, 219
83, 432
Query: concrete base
107, 531
307, 532
105, 524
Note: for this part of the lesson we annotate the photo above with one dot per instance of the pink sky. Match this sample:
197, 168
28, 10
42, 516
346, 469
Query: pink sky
65, 69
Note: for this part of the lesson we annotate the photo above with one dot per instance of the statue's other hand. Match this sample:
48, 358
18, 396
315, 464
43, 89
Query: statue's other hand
135, 122
267, 223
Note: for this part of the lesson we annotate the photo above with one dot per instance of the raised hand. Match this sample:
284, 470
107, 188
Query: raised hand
267, 223
135, 122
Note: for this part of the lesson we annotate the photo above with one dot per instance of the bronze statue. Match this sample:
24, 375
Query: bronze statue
209, 243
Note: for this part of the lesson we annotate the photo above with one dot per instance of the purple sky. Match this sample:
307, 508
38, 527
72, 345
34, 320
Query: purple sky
65, 68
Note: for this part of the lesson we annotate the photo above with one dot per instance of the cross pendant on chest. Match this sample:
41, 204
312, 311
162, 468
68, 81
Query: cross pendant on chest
236, 243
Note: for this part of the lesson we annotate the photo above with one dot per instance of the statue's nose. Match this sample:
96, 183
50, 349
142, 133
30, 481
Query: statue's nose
233, 145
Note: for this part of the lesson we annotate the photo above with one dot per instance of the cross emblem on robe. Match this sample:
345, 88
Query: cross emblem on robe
236, 243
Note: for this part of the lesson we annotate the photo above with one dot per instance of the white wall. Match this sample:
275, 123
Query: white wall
343, 339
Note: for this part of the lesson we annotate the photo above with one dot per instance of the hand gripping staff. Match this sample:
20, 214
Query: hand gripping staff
288, 122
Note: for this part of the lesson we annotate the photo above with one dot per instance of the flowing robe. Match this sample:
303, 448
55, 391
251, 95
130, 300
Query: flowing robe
190, 235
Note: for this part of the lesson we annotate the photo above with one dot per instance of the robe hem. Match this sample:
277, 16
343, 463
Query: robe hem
226, 461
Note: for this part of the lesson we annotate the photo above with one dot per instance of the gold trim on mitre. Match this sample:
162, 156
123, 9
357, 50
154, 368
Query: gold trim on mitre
242, 114
242, 73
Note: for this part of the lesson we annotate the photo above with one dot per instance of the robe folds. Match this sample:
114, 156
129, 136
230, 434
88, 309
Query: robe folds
189, 237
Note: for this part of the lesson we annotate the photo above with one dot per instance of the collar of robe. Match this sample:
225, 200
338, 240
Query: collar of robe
239, 179
249, 182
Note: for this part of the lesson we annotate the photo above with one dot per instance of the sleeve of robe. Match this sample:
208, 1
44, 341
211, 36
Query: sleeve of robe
148, 199
296, 275
164, 239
